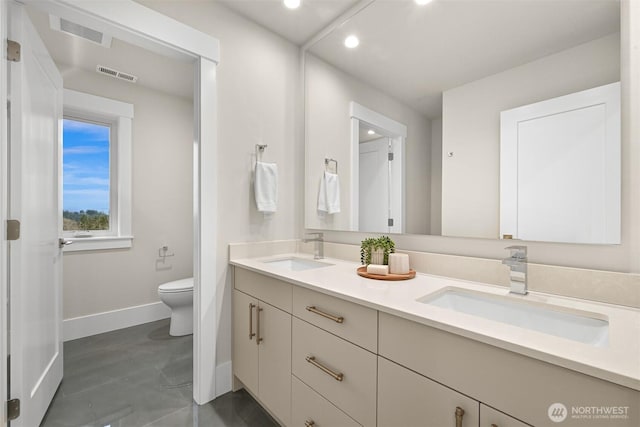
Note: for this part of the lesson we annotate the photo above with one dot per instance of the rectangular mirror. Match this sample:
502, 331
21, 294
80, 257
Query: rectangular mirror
468, 118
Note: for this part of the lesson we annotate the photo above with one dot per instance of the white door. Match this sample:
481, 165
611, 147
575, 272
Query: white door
374, 186
35, 260
560, 168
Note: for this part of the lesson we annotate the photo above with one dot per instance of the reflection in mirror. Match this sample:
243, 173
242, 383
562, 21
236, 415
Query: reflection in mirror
447, 72
378, 187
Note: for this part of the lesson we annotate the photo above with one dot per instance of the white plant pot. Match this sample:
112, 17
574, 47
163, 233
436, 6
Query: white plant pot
377, 256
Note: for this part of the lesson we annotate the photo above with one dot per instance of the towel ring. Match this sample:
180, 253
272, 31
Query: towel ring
327, 161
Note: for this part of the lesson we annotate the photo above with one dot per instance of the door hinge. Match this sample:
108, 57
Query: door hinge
13, 51
13, 229
13, 409
390, 222
390, 156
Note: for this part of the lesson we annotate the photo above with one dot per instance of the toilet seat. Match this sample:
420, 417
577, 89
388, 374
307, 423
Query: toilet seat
182, 285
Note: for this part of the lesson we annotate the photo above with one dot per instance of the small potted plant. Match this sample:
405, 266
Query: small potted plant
376, 250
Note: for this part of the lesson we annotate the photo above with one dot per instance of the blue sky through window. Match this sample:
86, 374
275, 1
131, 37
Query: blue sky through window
85, 166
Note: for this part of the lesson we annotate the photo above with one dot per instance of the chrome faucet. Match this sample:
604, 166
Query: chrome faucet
517, 262
318, 247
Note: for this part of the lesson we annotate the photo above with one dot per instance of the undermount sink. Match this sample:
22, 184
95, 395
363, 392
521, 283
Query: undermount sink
576, 325
296, 264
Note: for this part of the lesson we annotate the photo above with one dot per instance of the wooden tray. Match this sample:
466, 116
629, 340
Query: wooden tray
362, 271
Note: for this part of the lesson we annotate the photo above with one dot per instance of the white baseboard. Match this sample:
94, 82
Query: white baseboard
93, 324
223, 378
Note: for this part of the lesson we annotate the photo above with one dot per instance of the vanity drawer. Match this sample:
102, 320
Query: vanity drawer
489, 417
265, 288
309, 408
350, 321
519, 385
355, 391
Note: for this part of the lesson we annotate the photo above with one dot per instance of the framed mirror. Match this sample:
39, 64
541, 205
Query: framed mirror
443, 88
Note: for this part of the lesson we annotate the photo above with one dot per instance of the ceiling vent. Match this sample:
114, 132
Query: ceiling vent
116, 74
89, 34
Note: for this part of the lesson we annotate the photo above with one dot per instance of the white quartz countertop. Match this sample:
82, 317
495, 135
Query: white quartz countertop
618, 362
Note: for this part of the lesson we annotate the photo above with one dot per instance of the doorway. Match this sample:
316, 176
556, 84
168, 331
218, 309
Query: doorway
146, 28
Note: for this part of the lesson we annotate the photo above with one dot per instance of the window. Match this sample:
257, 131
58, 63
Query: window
96, 172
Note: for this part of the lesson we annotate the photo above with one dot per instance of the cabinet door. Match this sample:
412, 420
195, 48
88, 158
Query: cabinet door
410, 400
274, 332
245, 350
311, 409
489, 417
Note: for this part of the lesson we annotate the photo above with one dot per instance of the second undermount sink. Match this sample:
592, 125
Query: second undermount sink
576, 325
296, 264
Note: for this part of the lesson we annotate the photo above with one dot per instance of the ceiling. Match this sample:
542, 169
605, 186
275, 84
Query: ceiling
154, 71
410, 52
297, 25
414, 53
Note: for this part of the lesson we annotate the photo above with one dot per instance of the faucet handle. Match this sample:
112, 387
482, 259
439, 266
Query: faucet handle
518, 251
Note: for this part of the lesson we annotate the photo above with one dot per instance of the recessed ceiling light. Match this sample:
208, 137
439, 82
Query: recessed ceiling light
292, 4
371, 132
351, 42
423, 2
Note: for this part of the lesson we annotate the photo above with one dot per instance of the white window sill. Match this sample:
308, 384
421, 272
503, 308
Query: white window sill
98, 243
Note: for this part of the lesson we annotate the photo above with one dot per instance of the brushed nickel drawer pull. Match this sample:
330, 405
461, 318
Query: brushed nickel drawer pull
337, 319
309, 423
459, 415
251, 333
312, 360
258, 337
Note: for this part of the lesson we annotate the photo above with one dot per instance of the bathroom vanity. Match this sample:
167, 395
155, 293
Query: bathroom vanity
318, 345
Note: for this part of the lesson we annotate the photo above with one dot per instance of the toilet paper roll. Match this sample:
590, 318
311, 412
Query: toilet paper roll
398, 263
381, 270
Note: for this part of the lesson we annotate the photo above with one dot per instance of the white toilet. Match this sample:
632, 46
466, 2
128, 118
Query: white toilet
178, 295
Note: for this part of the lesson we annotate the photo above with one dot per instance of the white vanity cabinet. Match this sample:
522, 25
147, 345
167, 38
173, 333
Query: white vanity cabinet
410, 400
522, 387
489, 417
334, 353
349, 365
262, 341
309, 409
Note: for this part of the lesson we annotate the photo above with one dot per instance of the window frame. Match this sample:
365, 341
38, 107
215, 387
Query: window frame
118, 116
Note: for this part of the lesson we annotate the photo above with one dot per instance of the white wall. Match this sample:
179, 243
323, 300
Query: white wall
471, 127
329, 92
258, 102
162, 147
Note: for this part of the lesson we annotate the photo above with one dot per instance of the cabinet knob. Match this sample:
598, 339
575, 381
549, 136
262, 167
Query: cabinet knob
309, 423
459, 416
494, 425
338, 376
259, 338
251, 333
313, 309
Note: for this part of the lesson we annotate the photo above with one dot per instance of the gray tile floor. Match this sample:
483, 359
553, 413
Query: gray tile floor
141, 376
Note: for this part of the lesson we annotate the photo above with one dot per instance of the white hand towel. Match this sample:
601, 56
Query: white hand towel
329, 194
266, 186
